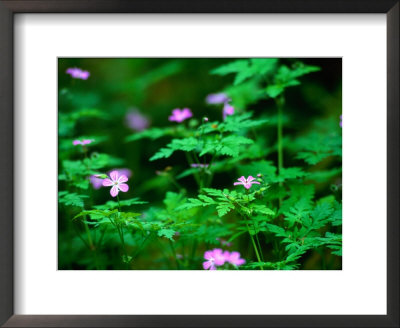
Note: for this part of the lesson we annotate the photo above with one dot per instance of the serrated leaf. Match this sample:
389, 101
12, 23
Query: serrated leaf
71, 199
185, 144
167, 233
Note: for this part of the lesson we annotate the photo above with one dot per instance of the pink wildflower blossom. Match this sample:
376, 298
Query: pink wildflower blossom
217, 98
82, 142
77, 73
246, 182
221, 98
179, 115
227, 110
234, 259
123, 171
96, 182
116, 182
137, 121
214, 258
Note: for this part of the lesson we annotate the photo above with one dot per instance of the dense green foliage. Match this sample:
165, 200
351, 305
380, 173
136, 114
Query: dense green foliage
182, 200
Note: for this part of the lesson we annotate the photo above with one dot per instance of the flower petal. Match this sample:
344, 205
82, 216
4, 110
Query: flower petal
186, 113
219, 258
114, 191
234, 256
114, 175
123, 187
176, 112
238, 183
216, 98
240, 262
208, 255
247, 185
206, 265
250, 178
254, 182
96, 182
227, 256
122, 178
242, 179
107, 183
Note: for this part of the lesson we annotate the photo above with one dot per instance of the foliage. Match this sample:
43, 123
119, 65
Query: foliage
182, 200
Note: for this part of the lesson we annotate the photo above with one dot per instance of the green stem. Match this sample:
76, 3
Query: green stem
258, 243
174, 182
89, 235
280, 102
141, 246
280, 133
120, 230
174, 254
254, 245
193, 251
190, 161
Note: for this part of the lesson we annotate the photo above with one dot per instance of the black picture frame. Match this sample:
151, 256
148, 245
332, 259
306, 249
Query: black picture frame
11, 7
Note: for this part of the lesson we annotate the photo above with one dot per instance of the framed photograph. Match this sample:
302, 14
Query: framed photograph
207, 164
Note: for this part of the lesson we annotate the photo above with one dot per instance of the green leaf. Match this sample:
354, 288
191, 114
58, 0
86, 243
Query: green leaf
123, 203
96, 214
290, 173
262, 209
286, 77
274, 90
186, 144
153, 134
71, 199
167, 233
224, 208
240, 123
246, 69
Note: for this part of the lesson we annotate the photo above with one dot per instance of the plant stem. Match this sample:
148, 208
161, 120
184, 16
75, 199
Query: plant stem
190, 161
174, 254
88, 235
120, 230
254, 245
280, 102
258, 243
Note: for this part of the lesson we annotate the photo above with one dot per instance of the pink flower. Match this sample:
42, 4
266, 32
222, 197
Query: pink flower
227, 110
136, 121
179, 115
246, 182
77, 73
217, 98
96, 182
82, 142
117, 183
214, 258
123, 171
234, 259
